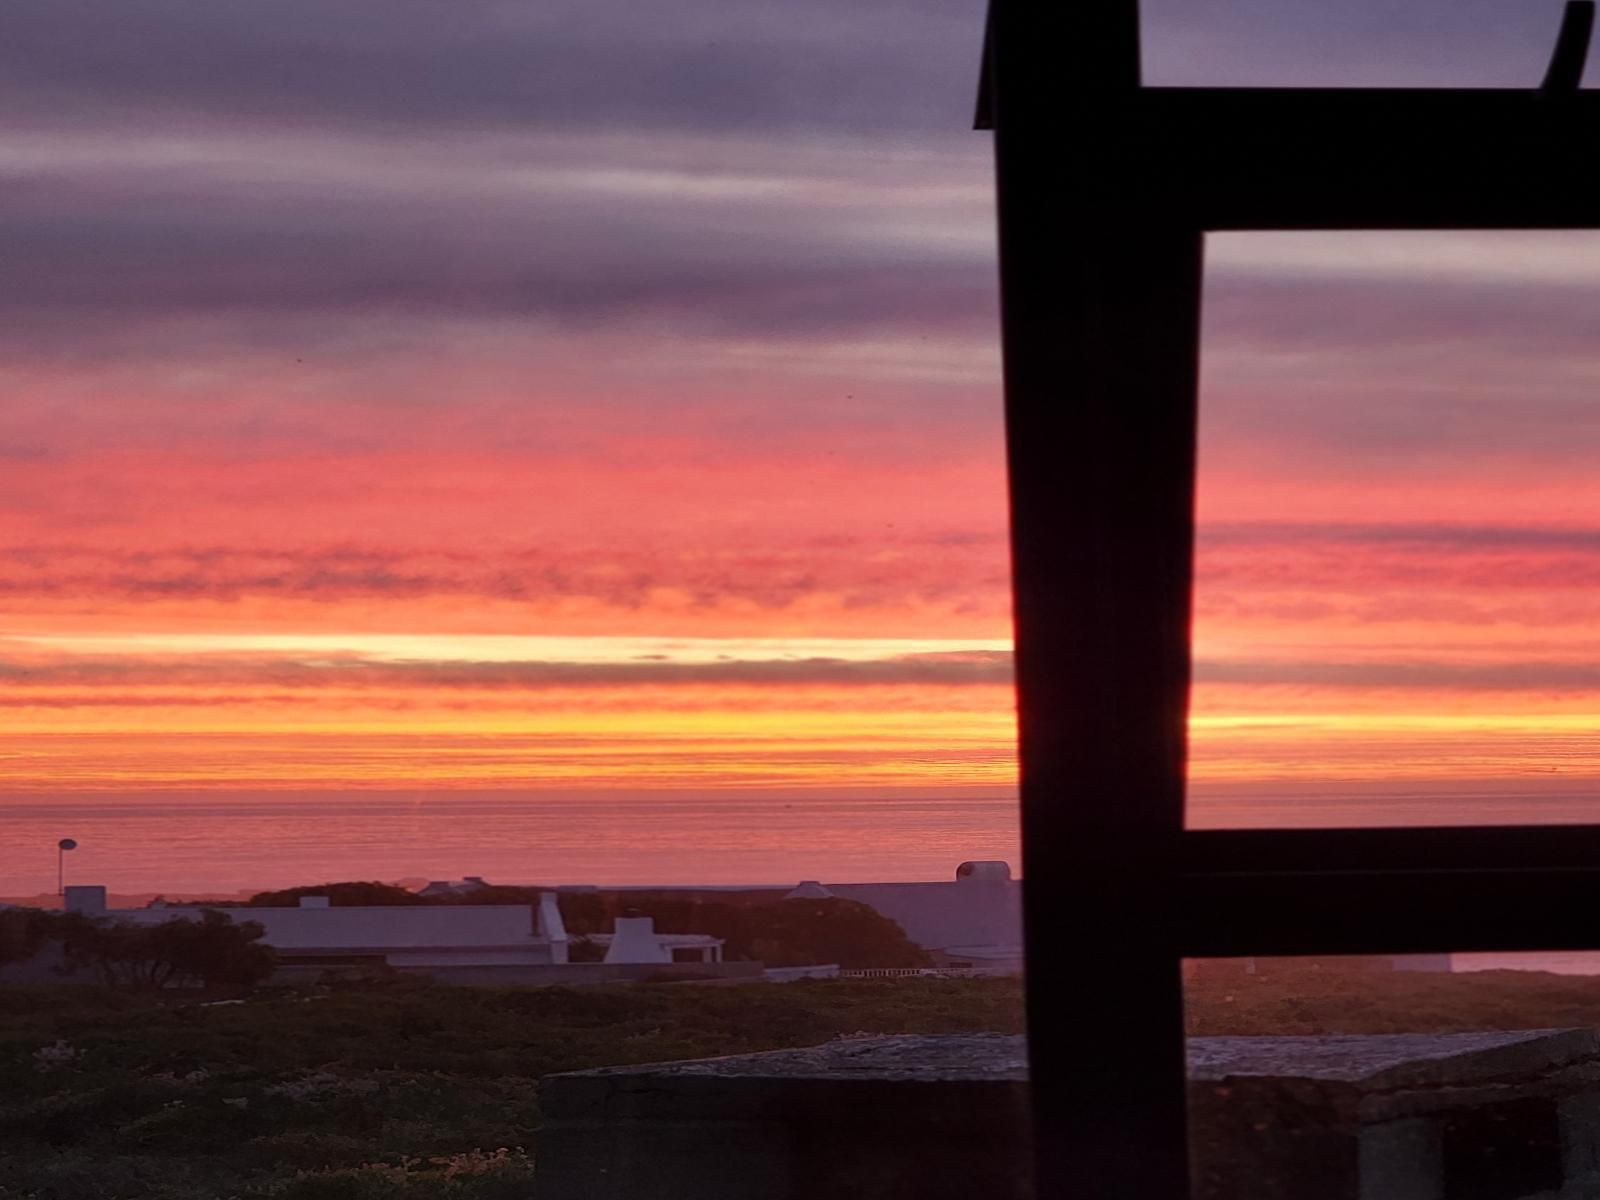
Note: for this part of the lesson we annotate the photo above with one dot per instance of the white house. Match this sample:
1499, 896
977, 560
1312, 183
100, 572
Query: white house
973, 920
400, 936
424, 936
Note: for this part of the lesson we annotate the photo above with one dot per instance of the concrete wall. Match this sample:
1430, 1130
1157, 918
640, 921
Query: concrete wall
982, 960
304, 974
532, 956
1512, 1115
577, 974
790, 974
869, 1119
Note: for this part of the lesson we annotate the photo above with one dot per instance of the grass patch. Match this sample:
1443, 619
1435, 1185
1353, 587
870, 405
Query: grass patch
1302, 1000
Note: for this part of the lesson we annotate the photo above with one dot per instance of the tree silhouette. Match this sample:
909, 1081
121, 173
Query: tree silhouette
213, 951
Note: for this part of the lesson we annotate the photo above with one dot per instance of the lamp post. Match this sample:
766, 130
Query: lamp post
62, 847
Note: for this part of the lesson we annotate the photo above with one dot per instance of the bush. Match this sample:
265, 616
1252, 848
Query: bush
797, 933
780, 933
353, 894
211, 950
25, 931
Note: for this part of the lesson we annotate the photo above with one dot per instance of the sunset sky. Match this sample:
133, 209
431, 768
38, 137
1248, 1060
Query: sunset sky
524, 396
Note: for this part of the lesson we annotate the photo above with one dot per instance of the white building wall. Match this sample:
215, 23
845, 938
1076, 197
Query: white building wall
981, 906
404, 935
551, 927
312, 928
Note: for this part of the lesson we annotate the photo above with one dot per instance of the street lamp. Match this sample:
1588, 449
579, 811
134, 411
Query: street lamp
62, 847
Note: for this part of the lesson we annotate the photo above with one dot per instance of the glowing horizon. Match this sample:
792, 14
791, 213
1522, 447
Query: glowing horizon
364, 436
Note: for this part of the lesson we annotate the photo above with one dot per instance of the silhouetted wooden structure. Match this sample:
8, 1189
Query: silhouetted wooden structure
1106, 190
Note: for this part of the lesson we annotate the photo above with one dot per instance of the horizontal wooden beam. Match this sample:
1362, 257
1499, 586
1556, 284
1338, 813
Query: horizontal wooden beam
1387, 891
1386, 912
1477, 847
1316, 158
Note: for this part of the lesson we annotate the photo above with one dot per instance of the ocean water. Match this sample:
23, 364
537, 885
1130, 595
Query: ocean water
186, 841
1345, 806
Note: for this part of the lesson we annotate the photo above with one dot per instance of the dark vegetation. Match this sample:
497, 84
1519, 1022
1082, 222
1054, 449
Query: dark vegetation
1303, 999
408, 1091
212, 951
399, 1090
354, 893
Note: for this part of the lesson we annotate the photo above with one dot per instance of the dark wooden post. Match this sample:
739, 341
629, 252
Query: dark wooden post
1106, 189
1101, 324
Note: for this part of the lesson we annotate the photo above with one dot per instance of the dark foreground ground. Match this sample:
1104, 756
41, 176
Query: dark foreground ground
409, 1092
412, 1092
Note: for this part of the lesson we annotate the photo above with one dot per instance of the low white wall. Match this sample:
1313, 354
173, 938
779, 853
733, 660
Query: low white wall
790, 974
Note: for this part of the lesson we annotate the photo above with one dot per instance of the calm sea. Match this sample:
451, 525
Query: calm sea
177, 842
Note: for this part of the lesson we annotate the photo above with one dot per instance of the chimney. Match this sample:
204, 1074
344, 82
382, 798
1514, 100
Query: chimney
86, 898
636, 941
